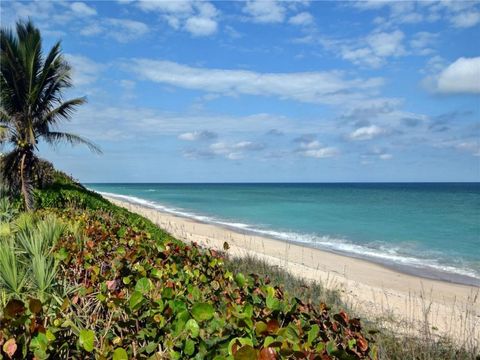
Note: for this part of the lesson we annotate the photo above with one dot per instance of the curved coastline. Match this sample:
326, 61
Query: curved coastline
406, 265
373, 290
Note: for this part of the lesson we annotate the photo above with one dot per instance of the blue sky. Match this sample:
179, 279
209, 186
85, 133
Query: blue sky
198, 91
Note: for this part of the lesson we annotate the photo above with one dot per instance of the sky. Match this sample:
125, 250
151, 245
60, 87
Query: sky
268, 91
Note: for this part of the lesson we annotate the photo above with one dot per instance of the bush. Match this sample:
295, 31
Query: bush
149, 297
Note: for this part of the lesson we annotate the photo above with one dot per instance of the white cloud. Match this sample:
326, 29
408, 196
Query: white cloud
173, 7
372, 50
366, 132
83, 9
201, 26
303, 18
85, 71
465, 19
309, 147
421, 42
124, 30
470, 146
385, 156
91, 29
460, 14
321, 153
197, 17
462, 76
328, 87
314, 144
121, 30
265, 11
385, 44
198, 135
233, 151
375, 153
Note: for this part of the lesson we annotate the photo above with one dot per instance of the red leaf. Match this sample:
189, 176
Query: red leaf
267, 353
10, 347
362, 344
14, 307
273, 326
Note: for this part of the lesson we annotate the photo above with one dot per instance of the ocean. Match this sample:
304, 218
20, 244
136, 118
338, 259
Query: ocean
426, 229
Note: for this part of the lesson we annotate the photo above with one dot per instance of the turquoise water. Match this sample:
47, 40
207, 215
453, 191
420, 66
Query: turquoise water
432, 230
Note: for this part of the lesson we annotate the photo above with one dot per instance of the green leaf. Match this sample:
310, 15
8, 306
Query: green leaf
120, 354
313, 333
87, 339
260, 328
39, 342
240, 279
202, 311
189, 347
246, 352
62, 254
136, 300
351, 343
192, 327
143, 285
331, 347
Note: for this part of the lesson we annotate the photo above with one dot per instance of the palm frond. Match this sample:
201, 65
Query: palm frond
55, 137
64, 111
12, 272
13, 87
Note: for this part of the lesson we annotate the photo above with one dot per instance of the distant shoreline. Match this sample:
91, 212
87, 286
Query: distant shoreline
373, 288
421, 272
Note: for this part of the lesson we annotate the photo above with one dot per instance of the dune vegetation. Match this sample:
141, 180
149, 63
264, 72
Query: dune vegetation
82, 278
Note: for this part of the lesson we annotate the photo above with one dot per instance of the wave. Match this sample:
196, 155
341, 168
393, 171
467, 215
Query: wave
378, 252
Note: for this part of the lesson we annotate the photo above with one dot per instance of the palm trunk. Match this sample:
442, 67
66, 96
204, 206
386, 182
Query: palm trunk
25, 181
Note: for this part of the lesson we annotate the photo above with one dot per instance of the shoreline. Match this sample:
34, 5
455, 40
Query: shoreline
370, 288
425, 272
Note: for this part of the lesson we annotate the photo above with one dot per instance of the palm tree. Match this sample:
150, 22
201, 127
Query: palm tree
32, 104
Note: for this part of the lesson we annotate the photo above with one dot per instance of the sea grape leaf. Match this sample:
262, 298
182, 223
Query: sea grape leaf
189, 347
14, 307
240, 279
246, 352
35, 306
260, 328
143, 285
313, 333
120, 354
135, 300
10, 347
267, 353
87, 339
192, 327
202, 311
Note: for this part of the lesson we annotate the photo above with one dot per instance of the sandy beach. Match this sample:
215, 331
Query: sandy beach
405, 302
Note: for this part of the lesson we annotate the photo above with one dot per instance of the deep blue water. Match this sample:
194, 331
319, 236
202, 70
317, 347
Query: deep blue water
430, 229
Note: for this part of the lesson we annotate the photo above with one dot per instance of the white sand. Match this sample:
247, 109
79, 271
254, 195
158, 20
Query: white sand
406, 302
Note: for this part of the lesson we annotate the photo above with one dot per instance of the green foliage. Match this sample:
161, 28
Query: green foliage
27, 265
12, 271
65, 193
8, 210
178, 301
